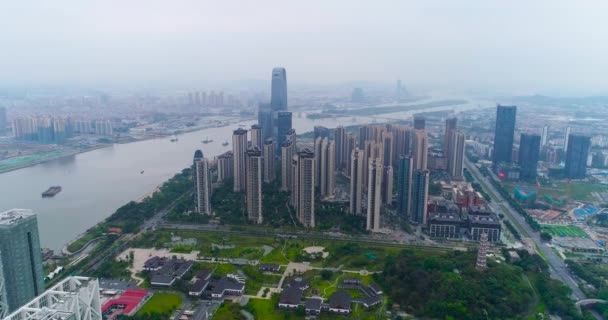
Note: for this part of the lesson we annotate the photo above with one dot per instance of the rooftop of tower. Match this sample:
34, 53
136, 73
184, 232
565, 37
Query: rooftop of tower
13, 216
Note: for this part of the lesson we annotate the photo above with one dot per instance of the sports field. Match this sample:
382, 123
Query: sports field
564, 231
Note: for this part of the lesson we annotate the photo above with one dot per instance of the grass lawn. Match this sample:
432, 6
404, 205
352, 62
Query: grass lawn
265, 309
579, 190
162, 303
228, 311
570, 231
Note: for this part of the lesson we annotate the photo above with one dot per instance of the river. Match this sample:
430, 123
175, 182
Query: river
98, 182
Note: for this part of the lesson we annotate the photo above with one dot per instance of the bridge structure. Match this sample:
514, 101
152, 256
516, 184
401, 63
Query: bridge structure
74, 298
588, 302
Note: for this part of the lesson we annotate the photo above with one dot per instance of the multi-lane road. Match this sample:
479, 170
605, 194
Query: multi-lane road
556, 264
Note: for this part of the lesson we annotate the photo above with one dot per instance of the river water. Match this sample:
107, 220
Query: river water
98, 182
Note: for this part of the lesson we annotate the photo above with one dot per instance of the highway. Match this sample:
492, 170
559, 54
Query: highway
557, 266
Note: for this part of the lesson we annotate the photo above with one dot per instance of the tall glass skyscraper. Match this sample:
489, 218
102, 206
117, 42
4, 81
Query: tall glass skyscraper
404, 182
529, 149
576, 156
503, 135
278, 95
284, 119
20, 256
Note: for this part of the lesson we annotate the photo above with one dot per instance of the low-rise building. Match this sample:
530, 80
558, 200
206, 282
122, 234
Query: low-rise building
290, 298
313, 306
339, 302
273, 268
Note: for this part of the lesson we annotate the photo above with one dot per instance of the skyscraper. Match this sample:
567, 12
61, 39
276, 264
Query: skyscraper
225, 166
420, 195
265, 118
284, 119
450, 126
239, 148
351, 144
402, 141
356, 181
545, 136
374, 194
327, 168
420, 150
254, 184
341, 142
456, 154
269, 161
419, 122
317, 150
202, 184
306, 188
576, 156
256, 136
529, 150
566, 138
503, 135
286, 170
20, 256
404, 183
278, 95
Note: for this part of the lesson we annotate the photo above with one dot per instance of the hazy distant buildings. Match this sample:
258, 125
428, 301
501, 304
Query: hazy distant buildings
404, 185
566, 138
419, 123
278, 96
529, 151
357, 96
420, 194
306, 188
270, 169
450, 128
225, 166
503, 135
239, 147
545, 136
374, 194
320, 131
20, 257
202, 184
356, 181
576, 156
254, 184
3, 120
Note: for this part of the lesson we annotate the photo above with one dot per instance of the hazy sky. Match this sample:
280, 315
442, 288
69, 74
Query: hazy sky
519, 45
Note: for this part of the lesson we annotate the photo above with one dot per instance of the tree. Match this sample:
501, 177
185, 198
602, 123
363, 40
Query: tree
326, 274
546, 236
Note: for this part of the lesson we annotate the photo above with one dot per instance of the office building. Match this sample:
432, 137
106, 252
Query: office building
356, 182
254, 184
317, 149
503, 135
73, 298
450, 127
420, 195
576, 156
374, 194
306, 188
294, 187
419, 123
225, 166
270, 169
529, 151
284, 119
265, 118
320, 131
287, 153
239, 148
327, 167
20, 257
455, 155
202, 184
404, 184
278, 95
420, 148
256, 136
342, 155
